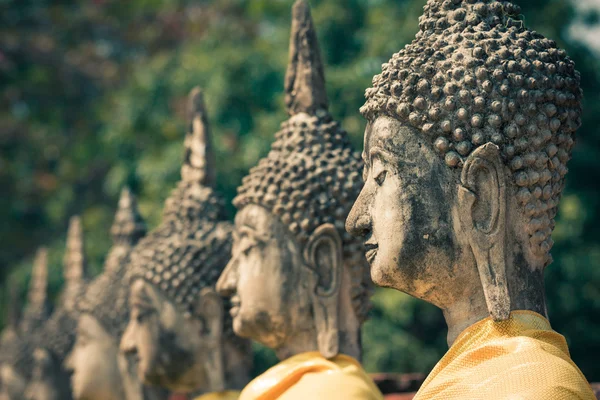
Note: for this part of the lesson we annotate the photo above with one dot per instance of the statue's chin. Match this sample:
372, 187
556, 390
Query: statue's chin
382, 273
252, 328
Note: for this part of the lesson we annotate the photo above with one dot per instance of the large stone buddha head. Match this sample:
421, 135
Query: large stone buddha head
469, 130
98, 371
298, 282
179, 328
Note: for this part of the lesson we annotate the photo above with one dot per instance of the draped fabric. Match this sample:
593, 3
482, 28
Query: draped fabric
311, 376
225, 395
520, 358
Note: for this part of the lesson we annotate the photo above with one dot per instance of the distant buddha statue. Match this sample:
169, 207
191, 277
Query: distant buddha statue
298, 283
50, 380
180, 328
98, 371
17, 356
469, 131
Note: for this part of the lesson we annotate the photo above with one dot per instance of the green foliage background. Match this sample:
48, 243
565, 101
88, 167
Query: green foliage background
92, 96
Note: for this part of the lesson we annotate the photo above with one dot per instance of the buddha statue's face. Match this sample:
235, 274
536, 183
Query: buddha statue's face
266, 279
94, 362
49, 380
13, 383
406, 214
171, 348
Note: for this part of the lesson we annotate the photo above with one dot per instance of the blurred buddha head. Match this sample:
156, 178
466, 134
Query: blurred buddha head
469, 131
50, 381
297, 281
179, 328
15, 371
16, 360
97, 372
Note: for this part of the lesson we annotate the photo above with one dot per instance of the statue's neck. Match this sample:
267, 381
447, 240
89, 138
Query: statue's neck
302, 342
237, 371
237, 365
306, 341
347, 324
526, 289
462, 314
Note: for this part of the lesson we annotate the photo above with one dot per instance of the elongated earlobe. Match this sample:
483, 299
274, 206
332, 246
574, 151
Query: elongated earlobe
323, 254
210, 309
482, 209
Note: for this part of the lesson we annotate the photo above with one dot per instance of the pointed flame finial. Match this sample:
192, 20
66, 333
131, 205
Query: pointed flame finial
128, 226
198, 163
305, 76
75, 262
37, 297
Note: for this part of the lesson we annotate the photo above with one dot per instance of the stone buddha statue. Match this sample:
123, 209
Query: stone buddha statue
298, 282
180, 328
98, 370
469, 131
16, 359
50, 380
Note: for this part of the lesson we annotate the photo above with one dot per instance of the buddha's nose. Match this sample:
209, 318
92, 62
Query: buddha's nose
358, 223
227, 283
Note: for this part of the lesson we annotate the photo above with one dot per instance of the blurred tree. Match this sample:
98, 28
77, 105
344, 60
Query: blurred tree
92, 96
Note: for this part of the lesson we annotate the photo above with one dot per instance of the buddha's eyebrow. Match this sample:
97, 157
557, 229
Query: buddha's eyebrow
384, 155
142, 299
247, 230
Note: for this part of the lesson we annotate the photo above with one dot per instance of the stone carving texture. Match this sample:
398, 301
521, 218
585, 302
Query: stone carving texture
473, 75
192, 245
19, 355
37, 309
58, 333
106, 298
18, 352
312, 175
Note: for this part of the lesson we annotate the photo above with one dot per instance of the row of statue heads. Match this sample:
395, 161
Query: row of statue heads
453, 201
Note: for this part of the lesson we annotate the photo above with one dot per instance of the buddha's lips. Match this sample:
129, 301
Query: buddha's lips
371, 251
235, 306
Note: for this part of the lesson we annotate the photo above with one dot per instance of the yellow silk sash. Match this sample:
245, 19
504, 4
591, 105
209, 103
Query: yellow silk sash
226, 395
311, 376
521, 358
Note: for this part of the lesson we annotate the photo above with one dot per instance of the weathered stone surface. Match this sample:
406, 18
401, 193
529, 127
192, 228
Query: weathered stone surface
55, 339
469, 131
102, 314
180, 329
298, 282
481, 111
16, 360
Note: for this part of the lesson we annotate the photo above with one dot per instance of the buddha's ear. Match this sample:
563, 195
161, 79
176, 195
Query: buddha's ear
209, 308
482, 211
323, 254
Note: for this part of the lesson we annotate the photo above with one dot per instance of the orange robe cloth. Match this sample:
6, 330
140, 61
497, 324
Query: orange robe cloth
309, 376
225, 395
521, 358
